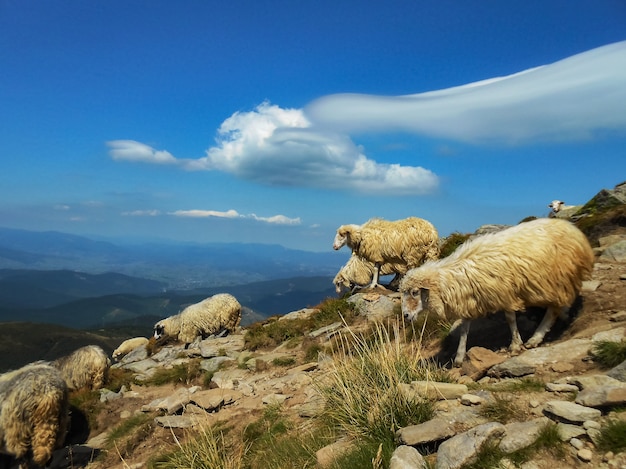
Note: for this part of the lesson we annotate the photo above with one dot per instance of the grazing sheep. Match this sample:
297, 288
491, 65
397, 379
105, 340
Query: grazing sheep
408, 243
86, 367
219, 313
537, 263
128, 346
358, 272
34, 413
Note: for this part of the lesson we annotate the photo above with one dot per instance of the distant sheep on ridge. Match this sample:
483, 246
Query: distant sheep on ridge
407, 243
219, 313
537, 263
128, 346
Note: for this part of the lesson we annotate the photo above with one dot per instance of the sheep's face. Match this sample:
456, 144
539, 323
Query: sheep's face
341, 284
159, 330
414, 302
556, 205
341, 238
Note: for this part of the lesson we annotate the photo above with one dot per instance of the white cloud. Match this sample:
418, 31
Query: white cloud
567, 100
276, 146
275, 219
130, 150
142, 213
205, 213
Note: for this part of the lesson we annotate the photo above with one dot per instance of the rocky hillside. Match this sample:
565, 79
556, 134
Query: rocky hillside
237, 381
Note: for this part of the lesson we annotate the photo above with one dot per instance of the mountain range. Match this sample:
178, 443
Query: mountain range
73, 281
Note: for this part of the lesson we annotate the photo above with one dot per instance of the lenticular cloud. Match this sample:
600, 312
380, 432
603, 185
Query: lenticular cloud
568, 100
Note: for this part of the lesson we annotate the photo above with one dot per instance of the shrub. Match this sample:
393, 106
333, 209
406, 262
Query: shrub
608, 353
613, 436
451, 243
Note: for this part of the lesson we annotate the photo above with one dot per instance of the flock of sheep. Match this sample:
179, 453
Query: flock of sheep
539, 263
34, 403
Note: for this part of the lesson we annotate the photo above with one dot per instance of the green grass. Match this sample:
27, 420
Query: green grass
613, 436
208, 447
129, 434
514, 386
363, 399
609, 354
275, 332
501, 409
183, 373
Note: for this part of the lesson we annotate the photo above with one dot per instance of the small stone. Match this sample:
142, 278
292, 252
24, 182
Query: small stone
471, 399
576, 443
584, 455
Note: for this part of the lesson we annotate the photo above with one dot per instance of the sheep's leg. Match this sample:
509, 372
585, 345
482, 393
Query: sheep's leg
374, 283
546, 323
460, 351
516, 339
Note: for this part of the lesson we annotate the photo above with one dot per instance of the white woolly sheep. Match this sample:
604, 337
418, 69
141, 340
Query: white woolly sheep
219, 313
128, 346
538, 263
408, 242
86, 367
358, 272
34, 413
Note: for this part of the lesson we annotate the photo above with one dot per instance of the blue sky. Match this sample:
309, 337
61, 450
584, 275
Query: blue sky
276, 122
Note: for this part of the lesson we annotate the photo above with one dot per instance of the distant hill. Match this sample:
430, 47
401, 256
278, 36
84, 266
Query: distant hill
179, 266
47, 288
23, 342
40, 296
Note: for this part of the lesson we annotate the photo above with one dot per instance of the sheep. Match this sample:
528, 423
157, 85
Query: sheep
358, 272
86, 367
34, 413
560, 210
537, 263
128, 346
408, 242
219, 313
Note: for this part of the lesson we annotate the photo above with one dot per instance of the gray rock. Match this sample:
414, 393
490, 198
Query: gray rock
434, 430
571, 412
616, 252
602, 396
618, 372
521, 434
463, 448
213, 364
433, 390
407, 457
175, 421
567, 431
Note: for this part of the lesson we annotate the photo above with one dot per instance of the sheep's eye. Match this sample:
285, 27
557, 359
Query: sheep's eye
415, 293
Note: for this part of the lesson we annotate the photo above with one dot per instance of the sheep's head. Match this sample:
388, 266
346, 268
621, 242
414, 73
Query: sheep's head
419, 295
556, 205
159, 329
341, 283
341, 238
